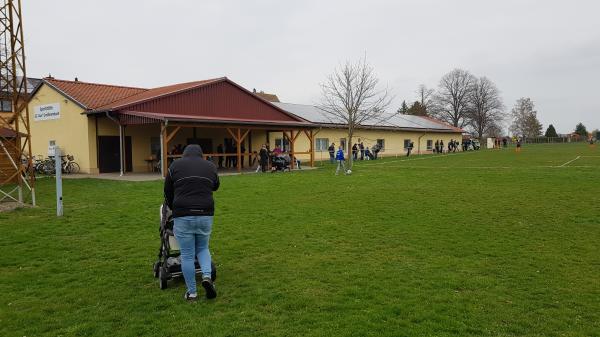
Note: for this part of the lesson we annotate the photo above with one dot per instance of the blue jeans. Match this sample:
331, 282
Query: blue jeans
192, 234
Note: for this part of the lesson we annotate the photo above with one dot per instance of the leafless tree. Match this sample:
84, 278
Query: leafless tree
425, 95
485, 108
451, 99
351, 96
525, 121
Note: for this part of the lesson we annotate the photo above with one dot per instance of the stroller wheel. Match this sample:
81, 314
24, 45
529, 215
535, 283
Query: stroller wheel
155, 269
162, 278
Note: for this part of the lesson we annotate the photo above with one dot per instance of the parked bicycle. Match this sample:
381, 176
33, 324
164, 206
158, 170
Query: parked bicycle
48, 165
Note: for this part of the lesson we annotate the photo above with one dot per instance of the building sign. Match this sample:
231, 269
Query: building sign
46, 112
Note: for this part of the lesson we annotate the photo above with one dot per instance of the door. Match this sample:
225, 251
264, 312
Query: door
108, 154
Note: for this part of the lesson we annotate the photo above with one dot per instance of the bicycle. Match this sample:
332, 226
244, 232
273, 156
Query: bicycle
69, 165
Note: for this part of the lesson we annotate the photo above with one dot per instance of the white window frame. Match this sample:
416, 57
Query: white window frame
321, 144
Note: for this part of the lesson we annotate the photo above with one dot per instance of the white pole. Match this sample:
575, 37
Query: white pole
58, 168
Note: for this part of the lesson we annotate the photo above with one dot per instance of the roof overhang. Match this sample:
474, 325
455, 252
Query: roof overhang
137, 117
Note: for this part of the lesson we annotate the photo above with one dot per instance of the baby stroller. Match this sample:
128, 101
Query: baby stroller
280, 163
168, 265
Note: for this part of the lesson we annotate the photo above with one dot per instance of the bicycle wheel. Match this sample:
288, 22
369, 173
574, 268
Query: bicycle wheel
73, 167
49, 167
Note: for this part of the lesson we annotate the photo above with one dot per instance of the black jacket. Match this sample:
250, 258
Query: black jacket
189, 184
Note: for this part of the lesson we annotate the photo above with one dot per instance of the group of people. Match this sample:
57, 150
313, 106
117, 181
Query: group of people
453, 145
268, 159
359, 149
230, 161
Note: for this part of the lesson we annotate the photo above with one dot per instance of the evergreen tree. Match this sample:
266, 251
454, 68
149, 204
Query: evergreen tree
403, 109
581, 130
417, 109
551, 132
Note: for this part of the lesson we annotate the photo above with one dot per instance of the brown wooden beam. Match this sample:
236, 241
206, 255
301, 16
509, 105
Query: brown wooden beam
239, 150
173, 133
292, 140
163, 152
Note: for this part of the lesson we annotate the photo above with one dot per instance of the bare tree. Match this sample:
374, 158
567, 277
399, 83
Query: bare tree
525, 121
425, 96
351, 96
451, 100
485, 108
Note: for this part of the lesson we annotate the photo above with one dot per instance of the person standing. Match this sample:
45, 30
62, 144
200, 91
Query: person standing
189, 186
243, 152
441, 146
362, 151
355, 151
409, 149
437, 146
220, 152
264, 158
331, 151
339, 157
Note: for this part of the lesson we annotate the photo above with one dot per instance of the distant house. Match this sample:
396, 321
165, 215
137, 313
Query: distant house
265, 96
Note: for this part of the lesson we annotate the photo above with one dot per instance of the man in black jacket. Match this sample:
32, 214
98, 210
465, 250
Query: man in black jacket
189, 186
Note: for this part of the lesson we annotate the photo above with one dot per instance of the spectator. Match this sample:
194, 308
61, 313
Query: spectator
264, 158
220, 152
331, 150
242, 157
437, 146
368, 154
409, 149
362, 151
441, 146
355, 151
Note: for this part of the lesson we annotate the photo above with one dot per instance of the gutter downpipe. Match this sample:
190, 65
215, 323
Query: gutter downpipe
423, 135
122, 171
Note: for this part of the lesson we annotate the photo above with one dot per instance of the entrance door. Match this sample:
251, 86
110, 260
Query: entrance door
108, 154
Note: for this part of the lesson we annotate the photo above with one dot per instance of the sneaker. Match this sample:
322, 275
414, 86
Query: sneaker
190, 297
208, 285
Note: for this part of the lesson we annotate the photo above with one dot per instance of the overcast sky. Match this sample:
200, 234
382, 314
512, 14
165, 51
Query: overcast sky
548, 50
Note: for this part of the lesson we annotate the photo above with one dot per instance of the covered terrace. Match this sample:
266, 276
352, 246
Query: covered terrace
208, 113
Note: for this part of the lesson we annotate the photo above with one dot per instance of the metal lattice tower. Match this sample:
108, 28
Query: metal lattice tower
17, 180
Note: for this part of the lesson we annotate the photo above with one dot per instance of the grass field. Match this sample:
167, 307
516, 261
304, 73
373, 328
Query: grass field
488, 243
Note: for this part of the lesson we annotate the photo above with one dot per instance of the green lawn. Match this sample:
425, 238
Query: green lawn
489, 243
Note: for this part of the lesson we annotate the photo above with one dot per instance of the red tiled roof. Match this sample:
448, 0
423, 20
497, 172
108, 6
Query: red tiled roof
155, 93
93, 95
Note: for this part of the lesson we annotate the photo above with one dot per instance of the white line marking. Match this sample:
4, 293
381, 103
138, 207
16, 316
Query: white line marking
569, 162
429, 156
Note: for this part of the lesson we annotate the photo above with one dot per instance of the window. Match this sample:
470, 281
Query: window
343, 143
155, 146
406, 143
321, 144
284, 144
381, 144
6, 106
429, 145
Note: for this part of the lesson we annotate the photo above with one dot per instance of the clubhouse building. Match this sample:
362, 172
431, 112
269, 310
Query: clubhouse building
110, 128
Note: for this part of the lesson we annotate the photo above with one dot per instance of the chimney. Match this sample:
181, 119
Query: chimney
254, 90
76, 79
